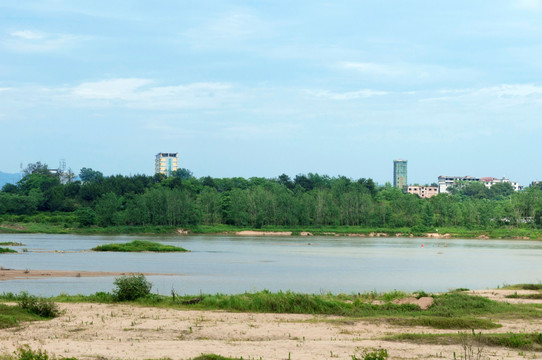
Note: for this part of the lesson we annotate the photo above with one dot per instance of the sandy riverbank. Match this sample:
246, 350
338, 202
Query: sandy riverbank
306, 233
11, 274
94, 331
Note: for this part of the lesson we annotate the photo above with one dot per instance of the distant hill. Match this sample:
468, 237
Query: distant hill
8, 178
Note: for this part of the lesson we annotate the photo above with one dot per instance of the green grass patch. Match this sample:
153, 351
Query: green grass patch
11, 243
11, 316
522, 341
525, 296
450, 310
4, 250
523, 287
446, 323
139, 246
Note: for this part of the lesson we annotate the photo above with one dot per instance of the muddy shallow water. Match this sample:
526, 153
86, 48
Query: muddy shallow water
233, 264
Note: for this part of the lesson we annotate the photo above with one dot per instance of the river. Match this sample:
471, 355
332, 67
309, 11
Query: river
234, 264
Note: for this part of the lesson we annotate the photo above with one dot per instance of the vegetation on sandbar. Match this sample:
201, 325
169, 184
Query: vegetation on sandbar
452, 310
11, 243
139, 246
522, 340
11, 315
4, 250
29, 308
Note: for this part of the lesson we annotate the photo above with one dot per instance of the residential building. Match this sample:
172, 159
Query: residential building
400, 173
424, 192
444, 182
489, 181
166, 163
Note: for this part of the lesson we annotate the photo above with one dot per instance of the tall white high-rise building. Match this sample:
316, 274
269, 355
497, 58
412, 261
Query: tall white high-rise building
166, 163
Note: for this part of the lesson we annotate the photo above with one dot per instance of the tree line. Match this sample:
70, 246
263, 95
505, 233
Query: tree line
306, 200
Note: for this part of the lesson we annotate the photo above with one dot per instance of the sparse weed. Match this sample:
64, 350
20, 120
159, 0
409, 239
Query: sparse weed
371, 354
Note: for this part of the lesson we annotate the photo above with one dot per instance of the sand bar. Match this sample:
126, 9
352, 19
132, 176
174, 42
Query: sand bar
12, 274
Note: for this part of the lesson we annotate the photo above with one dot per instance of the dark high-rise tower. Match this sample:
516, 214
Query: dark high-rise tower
400, 173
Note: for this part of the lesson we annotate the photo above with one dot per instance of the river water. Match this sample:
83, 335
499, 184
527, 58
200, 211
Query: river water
234, 264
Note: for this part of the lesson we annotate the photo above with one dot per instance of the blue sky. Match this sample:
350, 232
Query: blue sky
261, 88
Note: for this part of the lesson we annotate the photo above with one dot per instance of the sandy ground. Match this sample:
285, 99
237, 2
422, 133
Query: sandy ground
100, 331
10, 274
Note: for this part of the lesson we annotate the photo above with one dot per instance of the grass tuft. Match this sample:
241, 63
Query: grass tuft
214, 357
12, 316
522, 341
446, 323
525, 296
4, 250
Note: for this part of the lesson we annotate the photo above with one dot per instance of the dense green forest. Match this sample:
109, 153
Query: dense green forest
310, 200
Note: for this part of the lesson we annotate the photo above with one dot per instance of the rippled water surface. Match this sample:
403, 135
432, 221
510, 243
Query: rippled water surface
232, 264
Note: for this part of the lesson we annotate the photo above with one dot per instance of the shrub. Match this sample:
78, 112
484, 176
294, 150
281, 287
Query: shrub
25, 353
39, 306
85, 216
380, 354
131, 287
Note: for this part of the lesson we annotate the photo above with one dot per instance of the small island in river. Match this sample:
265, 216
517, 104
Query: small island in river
139, 246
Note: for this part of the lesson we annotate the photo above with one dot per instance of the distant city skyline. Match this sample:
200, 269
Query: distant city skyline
263, 88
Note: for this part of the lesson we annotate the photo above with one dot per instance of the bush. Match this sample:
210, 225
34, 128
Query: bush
25, 353
39, 306
380, 354
131, 287
85, 216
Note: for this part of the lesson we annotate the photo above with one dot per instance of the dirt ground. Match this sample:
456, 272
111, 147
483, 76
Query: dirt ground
101, 331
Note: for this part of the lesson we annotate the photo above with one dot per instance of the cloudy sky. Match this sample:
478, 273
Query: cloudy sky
261, 88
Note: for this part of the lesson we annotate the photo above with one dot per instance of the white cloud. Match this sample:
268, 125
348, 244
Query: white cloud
373, 68
350, 95
525, 92
528, 4
28, 35
33, 41
231, 28
511, 90
259, 130
114, 89
409, 73
139, 93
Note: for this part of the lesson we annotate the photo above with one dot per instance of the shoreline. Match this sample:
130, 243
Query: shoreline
346, 231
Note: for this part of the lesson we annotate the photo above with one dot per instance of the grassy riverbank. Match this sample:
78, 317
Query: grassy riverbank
452, 310
62, 225
456, 322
